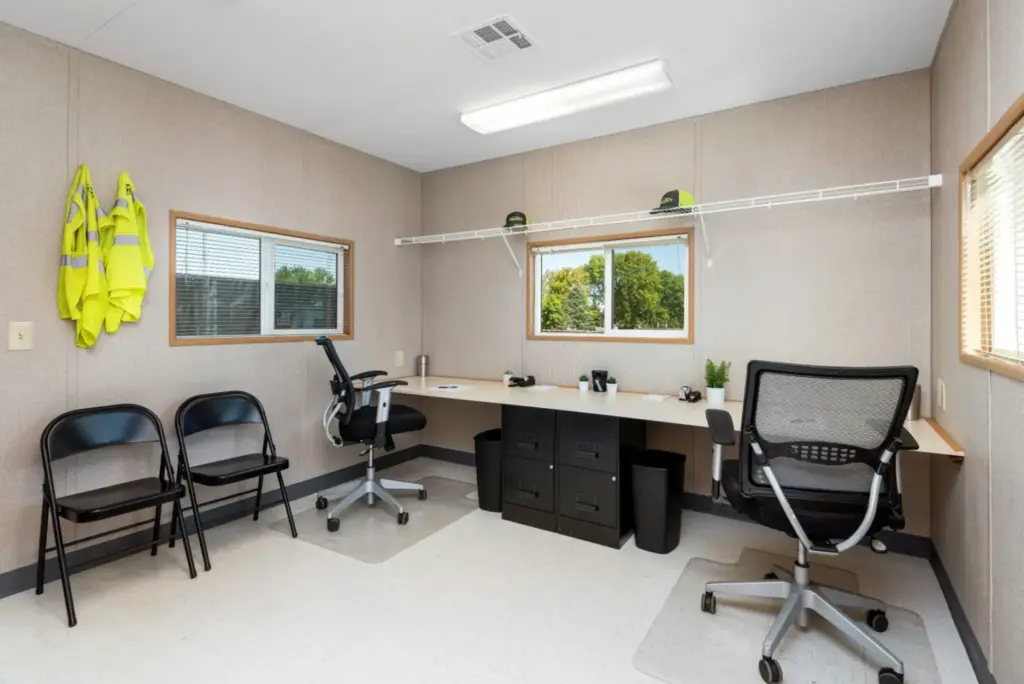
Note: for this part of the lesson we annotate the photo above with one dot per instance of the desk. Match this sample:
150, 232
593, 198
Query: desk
623, 405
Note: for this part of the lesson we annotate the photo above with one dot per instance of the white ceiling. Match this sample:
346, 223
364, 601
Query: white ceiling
387, 77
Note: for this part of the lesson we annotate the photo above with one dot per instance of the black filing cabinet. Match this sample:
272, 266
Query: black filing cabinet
569, 472
528, 466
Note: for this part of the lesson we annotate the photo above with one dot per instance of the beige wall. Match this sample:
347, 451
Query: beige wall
977, 508
843, 283
187, 152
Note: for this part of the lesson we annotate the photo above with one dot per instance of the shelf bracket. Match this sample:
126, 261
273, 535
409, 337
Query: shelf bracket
704, 240
504, 238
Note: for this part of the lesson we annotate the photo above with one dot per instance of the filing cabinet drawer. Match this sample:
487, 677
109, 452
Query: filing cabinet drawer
528, 433
528, 482
588, 441
588, 495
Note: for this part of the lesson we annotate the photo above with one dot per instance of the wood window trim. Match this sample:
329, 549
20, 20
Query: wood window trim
688, 231
349, 275
988, 143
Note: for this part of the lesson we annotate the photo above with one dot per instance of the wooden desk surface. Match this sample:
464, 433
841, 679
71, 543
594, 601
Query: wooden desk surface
622, 405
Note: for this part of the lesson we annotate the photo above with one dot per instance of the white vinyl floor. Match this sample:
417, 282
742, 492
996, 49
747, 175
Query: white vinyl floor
481, 601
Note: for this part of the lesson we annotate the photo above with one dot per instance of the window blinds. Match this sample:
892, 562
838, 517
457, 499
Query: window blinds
992, 257
217, 283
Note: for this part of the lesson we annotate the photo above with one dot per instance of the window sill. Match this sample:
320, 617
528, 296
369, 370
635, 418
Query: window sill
259, 339
609, 338
1014, 371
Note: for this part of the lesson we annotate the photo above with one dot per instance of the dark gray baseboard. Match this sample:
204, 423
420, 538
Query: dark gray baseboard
20, 579
466, 458
970, 640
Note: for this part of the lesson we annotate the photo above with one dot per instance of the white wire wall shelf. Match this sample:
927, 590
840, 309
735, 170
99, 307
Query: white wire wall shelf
846, 192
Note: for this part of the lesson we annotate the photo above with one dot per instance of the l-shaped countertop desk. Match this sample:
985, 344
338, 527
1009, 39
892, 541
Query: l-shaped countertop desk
931, 438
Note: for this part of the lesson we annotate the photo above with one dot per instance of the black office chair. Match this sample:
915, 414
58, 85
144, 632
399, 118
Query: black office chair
221, 409
817, 460
369, 425
77, 432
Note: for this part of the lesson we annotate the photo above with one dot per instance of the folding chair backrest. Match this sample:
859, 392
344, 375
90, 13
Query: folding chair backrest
83, 430
220, 409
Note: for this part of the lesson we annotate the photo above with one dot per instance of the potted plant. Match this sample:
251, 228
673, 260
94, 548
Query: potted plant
505, 377
612, 385
584, 383
715, 377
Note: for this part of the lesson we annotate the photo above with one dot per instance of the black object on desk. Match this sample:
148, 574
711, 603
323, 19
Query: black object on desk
569, 472
528, 381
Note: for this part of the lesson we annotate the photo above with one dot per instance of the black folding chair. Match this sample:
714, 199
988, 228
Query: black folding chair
76, 432
221, 409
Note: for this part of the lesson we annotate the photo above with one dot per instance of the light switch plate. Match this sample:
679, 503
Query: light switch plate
20, 336
399, 359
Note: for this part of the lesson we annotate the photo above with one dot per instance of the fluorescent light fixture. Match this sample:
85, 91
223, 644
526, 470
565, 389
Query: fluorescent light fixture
599, 91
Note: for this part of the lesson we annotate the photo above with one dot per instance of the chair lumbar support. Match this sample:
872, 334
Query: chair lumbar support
800, 595
371, 487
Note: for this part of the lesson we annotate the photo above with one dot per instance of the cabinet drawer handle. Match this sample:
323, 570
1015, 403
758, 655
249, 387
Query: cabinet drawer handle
529, 492
584, 506
590, 455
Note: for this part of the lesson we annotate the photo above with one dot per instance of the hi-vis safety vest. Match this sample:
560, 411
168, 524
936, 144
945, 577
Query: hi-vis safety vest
82, 285
128, 257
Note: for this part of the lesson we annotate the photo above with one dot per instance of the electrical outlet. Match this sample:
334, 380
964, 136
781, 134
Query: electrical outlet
399, 359
20, 336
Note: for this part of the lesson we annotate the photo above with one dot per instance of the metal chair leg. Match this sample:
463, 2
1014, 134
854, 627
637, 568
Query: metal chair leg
174, 518
184, 539
814, 600
287, 504
156, 531
783, 621
773, 589
259, 495
196, 517
41, 563
62, 563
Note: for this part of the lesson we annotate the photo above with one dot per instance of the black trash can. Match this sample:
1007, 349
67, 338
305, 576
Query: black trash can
487, 446
657, 499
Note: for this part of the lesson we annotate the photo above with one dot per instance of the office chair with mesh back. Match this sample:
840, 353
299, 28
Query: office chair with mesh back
817, 460
370, 425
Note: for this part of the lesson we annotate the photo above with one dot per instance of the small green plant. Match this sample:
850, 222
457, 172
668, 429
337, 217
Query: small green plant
583, 377
612, 380
716, 375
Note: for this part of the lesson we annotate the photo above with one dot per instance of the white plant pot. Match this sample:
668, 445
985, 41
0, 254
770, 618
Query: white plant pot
716, 396
612, 389
584, 385
505, 379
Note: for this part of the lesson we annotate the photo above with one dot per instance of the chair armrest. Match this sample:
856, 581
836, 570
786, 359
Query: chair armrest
371, 374
722, 434
385, 385
720, 423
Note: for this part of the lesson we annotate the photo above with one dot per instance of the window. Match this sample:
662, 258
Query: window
613, 288
233, 283
992, 249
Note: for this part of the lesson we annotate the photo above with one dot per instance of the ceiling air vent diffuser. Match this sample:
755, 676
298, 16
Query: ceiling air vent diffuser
497, 38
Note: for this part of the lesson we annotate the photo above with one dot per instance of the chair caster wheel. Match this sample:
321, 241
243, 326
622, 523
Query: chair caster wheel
403, 518
771, 576
877, 620
321, 503
333, 524
889, 676
708, 603
771, 672
423, 495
